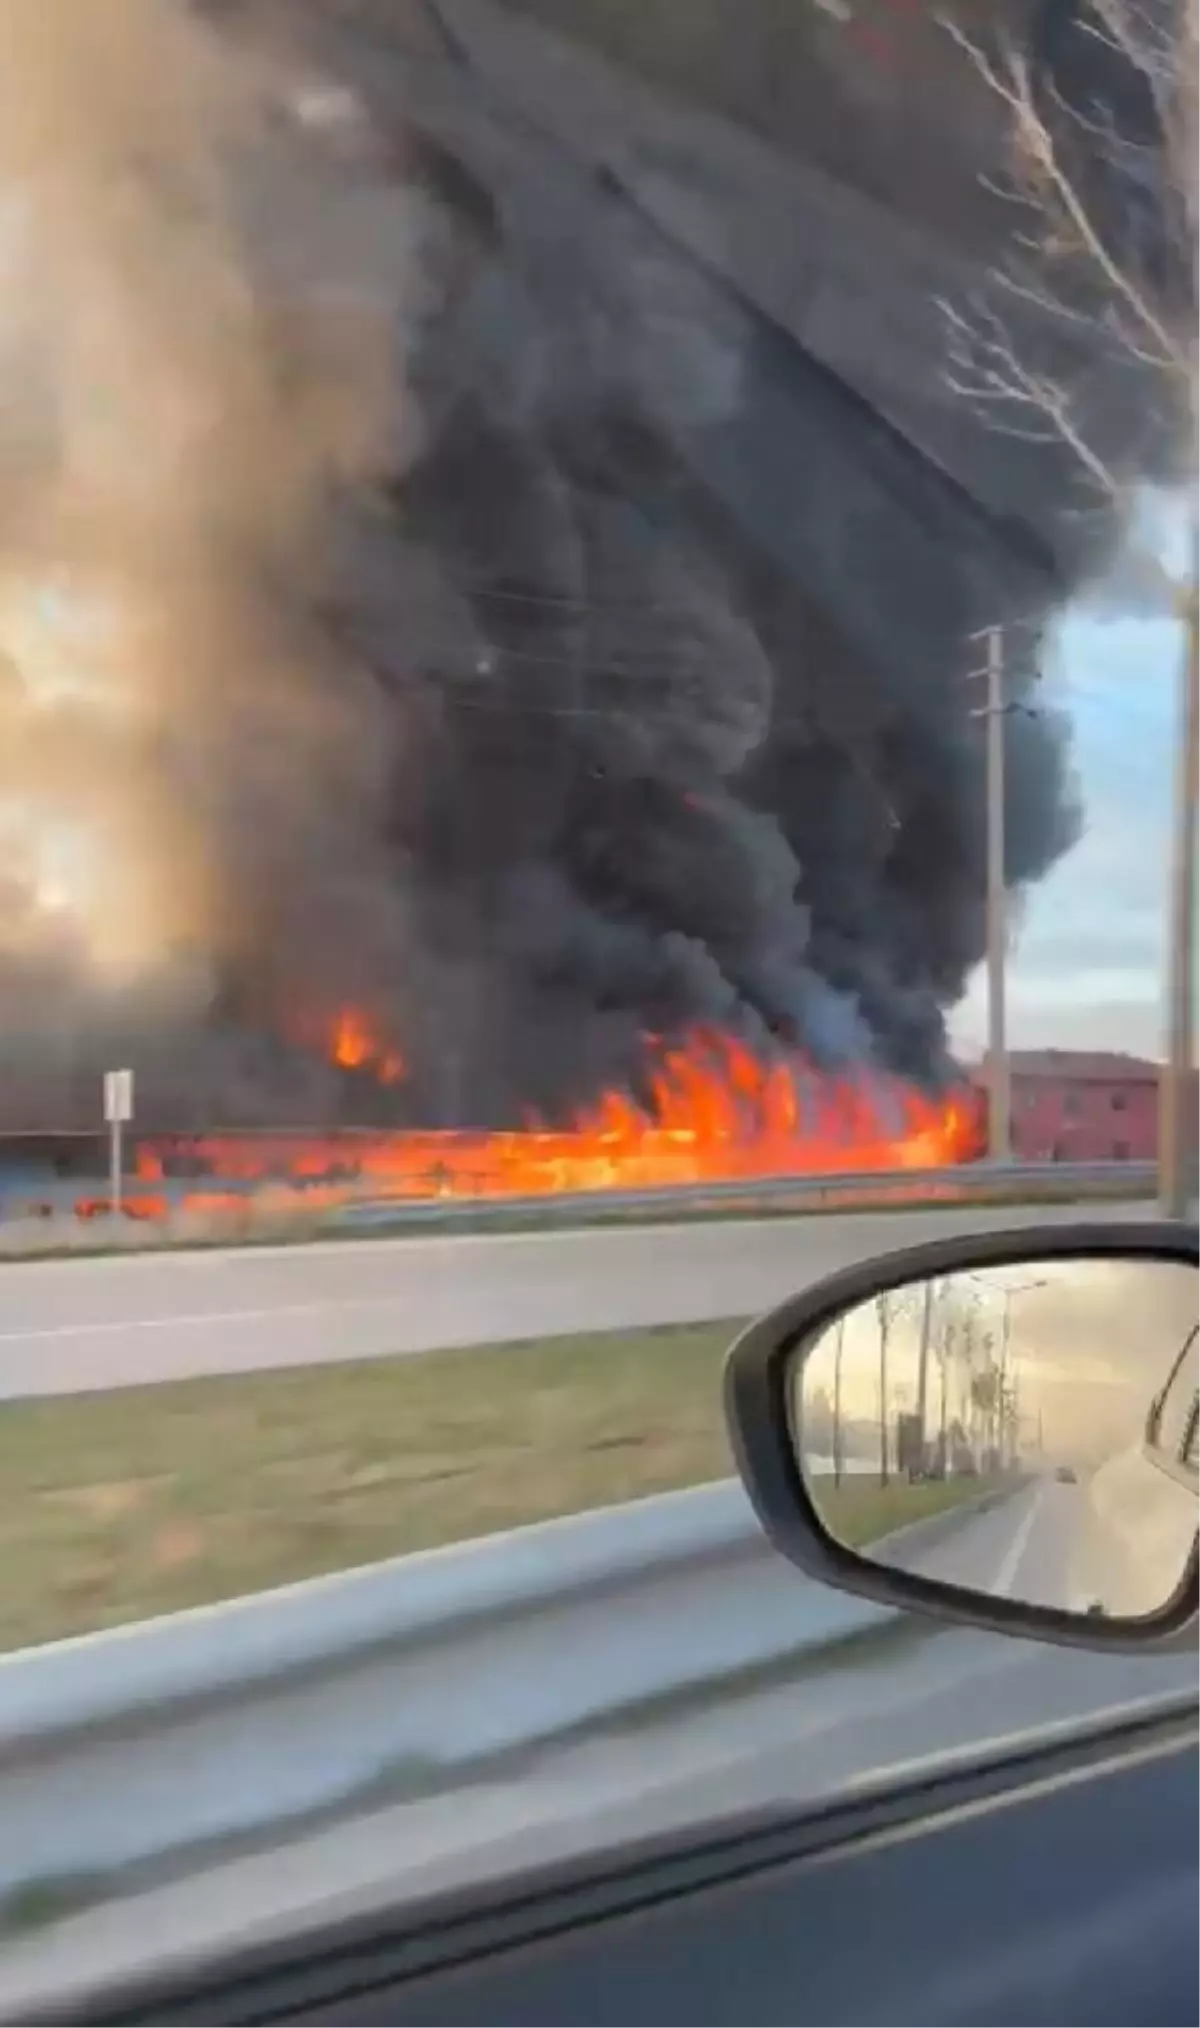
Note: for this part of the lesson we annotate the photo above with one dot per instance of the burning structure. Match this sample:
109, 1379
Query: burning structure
492, 572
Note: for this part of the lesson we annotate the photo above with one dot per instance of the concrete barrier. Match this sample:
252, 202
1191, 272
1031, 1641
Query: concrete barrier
153, 1746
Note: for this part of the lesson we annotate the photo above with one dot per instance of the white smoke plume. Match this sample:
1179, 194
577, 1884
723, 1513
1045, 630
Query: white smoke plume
197, 312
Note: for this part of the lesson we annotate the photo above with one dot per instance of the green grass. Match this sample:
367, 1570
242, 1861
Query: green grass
121, 1506
859, 1511
115, 1507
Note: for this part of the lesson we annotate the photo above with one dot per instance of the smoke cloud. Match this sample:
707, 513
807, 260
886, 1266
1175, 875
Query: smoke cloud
198, 361
429, 588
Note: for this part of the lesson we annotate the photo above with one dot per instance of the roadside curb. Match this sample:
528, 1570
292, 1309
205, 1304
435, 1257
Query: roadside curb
938, 1527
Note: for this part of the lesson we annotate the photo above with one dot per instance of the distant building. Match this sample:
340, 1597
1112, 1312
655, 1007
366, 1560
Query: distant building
1083, 1106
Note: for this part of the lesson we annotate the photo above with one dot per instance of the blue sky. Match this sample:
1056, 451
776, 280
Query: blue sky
1088, 947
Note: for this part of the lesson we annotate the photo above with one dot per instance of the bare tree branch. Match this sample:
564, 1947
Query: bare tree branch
1053, 189
1078, 286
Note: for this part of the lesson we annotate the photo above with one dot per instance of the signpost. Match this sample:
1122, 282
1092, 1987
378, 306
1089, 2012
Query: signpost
118, 1111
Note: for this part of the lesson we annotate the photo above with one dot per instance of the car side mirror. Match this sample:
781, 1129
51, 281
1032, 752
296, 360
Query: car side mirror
1000, 1430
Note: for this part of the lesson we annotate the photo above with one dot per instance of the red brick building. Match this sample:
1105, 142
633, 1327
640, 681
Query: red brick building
1083, 1106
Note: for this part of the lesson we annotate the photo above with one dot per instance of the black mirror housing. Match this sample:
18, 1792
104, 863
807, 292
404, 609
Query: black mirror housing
761, 1416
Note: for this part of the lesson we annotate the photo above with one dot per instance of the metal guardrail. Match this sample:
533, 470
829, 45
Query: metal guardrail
319, 1693
964, 1183
266, 1215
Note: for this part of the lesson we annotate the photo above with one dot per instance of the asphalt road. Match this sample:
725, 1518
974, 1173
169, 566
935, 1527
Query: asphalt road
116, 1321
1021, 1549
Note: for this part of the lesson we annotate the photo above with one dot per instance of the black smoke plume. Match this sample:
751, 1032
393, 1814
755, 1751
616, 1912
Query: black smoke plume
586, 646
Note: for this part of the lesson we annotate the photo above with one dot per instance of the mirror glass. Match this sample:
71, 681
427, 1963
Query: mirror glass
1024, 1431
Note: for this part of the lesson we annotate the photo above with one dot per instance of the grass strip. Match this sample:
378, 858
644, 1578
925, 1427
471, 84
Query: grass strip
860, 1511
119, 1507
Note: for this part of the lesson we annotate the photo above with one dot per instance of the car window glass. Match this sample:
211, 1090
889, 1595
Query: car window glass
514, 609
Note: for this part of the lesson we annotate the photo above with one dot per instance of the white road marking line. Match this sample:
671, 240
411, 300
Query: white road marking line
1017, 1547
107, 1326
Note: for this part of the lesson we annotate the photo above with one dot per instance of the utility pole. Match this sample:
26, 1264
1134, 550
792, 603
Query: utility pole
838, 1348
1009, 1398
1177, 1115
999, 1105
923, 1363
1005, 1335
947, 1344
1174, 1124
884, 1316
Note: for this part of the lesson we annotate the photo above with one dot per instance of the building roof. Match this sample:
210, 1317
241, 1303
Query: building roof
1083, 1064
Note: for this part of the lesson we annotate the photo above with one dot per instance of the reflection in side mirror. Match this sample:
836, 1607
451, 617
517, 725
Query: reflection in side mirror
1027, 1432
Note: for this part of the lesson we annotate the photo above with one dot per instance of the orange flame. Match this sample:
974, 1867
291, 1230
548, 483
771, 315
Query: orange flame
353, 1045
715, 1113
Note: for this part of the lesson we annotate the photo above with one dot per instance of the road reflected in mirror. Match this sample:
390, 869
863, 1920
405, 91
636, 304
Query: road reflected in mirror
1026, 1432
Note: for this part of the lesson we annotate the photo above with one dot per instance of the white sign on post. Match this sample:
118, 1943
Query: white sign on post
118, 1110
118, 1096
